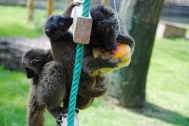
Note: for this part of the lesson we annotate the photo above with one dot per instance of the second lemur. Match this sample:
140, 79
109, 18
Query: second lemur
47, 88
63, 51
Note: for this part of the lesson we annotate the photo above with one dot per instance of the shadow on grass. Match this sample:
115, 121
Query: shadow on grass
154, 111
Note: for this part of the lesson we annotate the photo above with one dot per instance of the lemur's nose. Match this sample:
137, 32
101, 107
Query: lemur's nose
47, 30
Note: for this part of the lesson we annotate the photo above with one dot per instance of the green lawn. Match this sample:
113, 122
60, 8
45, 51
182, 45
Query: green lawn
14, 22
187, 27
167, 91
167, 94
168, 80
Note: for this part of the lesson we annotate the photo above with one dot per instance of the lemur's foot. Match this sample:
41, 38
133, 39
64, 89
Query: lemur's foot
64, 115
59, 119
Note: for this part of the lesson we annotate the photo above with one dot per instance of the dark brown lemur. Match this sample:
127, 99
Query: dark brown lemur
39, 58
63, 51
108, 29
48, 86
105, 34
47, 76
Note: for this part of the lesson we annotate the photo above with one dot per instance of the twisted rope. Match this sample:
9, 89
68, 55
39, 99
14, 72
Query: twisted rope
77, 71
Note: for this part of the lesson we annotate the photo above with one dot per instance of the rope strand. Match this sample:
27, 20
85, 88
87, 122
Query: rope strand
77, 71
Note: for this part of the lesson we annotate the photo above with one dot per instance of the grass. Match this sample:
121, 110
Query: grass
14, 22
187, 27
13, 93
168, 78
166, 92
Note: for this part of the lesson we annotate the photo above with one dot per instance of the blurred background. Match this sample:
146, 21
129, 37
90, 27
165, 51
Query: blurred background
151, 91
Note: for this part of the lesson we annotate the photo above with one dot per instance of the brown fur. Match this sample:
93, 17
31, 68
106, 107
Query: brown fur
63, 51
47, 88
35, 113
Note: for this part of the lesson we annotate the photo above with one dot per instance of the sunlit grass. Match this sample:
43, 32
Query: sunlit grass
13, 96
187, 27
167, 94
13, 103
168, 78
14, 22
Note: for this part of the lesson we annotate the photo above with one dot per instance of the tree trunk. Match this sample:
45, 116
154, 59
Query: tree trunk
12, 50
141, 18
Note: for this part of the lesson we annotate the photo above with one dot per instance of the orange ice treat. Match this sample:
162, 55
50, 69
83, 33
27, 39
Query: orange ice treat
123, 52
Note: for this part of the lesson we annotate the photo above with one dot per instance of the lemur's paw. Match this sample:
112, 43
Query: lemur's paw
106, 61
63, 115
78, 3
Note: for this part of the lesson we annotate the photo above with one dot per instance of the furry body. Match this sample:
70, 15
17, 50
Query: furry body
63, 51
105, 34
107, 29
47, 88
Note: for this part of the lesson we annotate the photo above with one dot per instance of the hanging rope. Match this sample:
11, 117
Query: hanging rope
77, 71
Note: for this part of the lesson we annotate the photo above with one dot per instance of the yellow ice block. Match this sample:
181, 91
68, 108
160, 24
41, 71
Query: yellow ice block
123, 52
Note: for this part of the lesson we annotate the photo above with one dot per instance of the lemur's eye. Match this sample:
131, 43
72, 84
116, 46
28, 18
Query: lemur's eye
61, 23
107, 30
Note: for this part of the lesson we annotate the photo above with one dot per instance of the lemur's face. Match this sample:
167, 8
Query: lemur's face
108, 32
57, 26
33, 62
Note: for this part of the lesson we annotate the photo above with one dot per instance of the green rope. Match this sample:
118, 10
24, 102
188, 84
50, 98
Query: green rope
77, 71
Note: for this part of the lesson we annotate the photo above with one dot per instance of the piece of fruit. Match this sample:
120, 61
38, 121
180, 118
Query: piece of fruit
123, 52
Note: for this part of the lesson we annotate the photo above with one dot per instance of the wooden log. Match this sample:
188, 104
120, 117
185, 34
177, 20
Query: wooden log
12, 50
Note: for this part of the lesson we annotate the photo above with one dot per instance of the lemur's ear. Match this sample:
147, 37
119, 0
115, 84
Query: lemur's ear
35, 62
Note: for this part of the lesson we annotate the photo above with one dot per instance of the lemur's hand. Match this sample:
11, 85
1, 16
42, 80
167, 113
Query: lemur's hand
126, 40
78, 3
67, 12
105, 62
